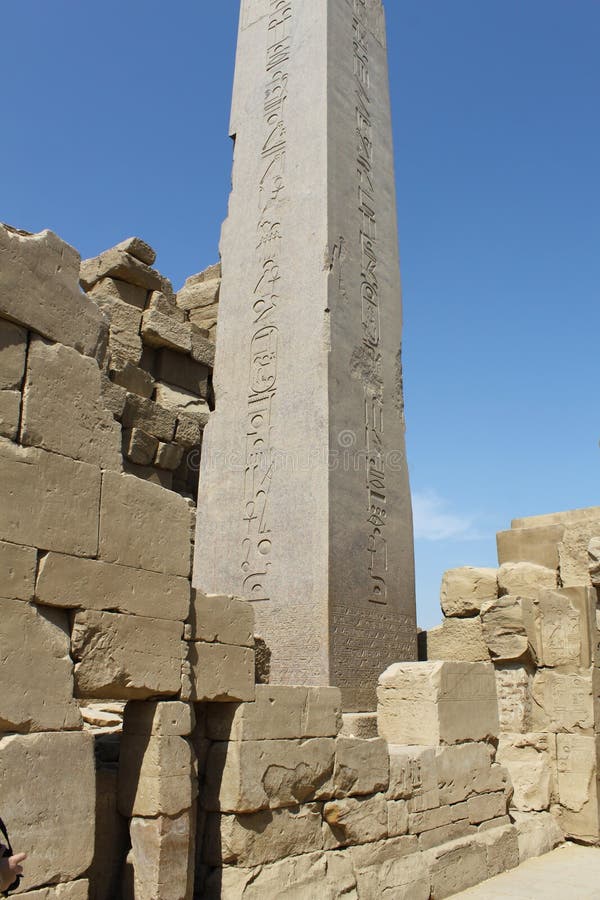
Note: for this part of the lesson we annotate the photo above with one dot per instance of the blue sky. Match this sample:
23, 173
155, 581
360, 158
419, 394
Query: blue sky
114, 122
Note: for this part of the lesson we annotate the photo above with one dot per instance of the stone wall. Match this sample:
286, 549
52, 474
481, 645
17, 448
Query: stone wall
535, 618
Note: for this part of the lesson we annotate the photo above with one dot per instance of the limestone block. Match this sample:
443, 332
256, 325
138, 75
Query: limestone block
513, 686
487, 806
402, 875
397, 811
114, 289
263, 837
150, 417
182, 371
133, 379
573, 551
203, 350
144, 526
13, 353
39, 289
205, 318
200, 290
165, 304
48, 501
445, 834
135, 246
157, 775
226, 620
323, 875
189, 429
462, 770
458, 639
577, 786
124, 340
456, 866
525, 579
47, 784
437, 703
530, 759
537, 545
139, 657
413, 777
360, 725
152, 474
139, 447
159, 330
113, 397
175, 398
502, 849
112, 835
10, 411
159, 719
361, 766
560, 627
435, 818
464, 590
566, 517
17, 571
504, 630
163, 856
278, 712
246, 776
168, 456
356, 821
562, 702
538, 833
63, 409
37, 672
119, 264
221, 672
70, 582
594, 561
74, 890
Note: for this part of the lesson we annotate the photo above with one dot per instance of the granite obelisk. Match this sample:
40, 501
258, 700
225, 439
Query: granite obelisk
304, 501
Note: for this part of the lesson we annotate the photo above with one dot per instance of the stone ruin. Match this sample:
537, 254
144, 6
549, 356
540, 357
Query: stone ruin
166, 735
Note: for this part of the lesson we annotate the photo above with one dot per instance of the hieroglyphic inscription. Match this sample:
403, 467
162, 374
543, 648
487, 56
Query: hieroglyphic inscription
370, 350
262, 383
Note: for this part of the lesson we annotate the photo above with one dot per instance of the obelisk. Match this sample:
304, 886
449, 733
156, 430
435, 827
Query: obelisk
304, 504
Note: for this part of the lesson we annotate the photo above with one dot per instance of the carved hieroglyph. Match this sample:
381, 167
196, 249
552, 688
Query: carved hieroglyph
304, 505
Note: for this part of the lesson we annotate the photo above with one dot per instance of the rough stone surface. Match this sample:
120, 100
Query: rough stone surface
37, 671
413, 777
74, 890
117, 263
135, 246
189, 429
114, 289
133, 379
353, 820
560, 627
139, 447
142, 525
91, 584
150, 417
157, 775
278, 712
182, 371
398, 872
530, 759
456, 866
538, 833
577, 786
437, 703
168, 456
360, 725
513, 686
17, 571
38, 289
62, 407
159, 719
139, 657
537, 545
159, 330
361, 766
464, 590
458, 639
10, 411
573, 551
38, 773
203, 350
163, 856
48, 501
171, 397
594, 561
525, 579
227, 620
504, 630
165, 304
502, 849
246, 776
124, 341
13, 352
263, 837
221, 672
562, 702
463, 770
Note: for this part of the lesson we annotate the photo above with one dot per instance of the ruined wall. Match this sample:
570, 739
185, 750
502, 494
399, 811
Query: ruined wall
535, 618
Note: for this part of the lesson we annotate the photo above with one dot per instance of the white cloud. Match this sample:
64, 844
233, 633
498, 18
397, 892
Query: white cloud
433, 521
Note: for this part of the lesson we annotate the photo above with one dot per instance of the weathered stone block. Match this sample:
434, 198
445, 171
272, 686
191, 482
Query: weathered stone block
67, 581
458, 639
10, 411
168, 456
221, 672
533, 545
525, 579
361, 766
393, 870
360, 725
48, 501
37, 672
190, 428
143, 526
135, 246
39, 289
562, 702
151, 474
502, 849
530, 759
356, 821
504, 630
63, 409
538, 833
114, 289
133, 379
487, 806
203, 350
594, 561
13, 353
226, 620
200, 290
559, 627
124, 340
456, 866
175, 398
165, 304
139, 657
159, 330
463, 770
413, 777
139, 447
163, 856
278, 712
578, 787
74, 890
119, 264
182, 371
157, 775
150, 417
437, 703
573, 551
326, 875
159, 719
17, 571
50, 778
263, 837
246, 776
113, 397
513, 686
445, 834
397, 817
464, 590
